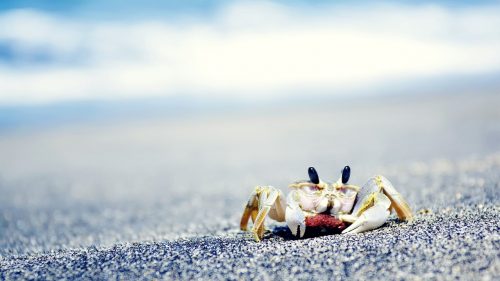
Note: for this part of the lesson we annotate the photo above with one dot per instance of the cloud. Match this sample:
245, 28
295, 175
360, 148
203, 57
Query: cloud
243, 51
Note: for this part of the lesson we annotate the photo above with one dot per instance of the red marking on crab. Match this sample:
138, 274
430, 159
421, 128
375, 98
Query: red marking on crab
325, 222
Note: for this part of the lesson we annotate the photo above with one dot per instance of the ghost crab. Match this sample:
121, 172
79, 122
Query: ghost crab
314, 204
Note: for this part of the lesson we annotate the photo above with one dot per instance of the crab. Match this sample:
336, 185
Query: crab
314, 205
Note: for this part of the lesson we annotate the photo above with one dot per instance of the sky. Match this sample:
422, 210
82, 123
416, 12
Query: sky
52, 52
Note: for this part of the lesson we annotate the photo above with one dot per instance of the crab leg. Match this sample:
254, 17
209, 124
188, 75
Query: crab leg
251, 209
265, 200
398, 203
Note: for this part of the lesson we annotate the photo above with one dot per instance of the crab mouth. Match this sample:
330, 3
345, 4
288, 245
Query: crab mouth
329, 207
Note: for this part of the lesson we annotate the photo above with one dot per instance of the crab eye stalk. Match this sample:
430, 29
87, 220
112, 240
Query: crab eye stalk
313, 175
346, 173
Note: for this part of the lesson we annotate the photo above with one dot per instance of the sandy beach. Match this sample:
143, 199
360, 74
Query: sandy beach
161, 198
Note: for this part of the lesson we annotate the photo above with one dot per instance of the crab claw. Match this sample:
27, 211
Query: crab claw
373, 217
296, 221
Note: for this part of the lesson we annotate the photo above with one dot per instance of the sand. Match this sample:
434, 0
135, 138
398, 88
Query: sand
162, 198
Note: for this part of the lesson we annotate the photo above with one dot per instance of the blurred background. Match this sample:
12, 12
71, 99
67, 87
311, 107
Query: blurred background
147, 120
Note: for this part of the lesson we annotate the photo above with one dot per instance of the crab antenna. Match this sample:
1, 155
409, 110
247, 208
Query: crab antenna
346, 174
313, 175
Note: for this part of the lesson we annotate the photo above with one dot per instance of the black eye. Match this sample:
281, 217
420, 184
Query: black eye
346, 173
313, 175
